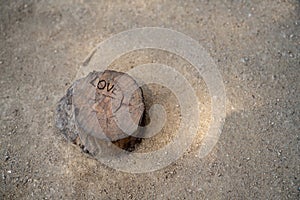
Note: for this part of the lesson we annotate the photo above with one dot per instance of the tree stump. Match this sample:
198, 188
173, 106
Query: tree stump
104, 106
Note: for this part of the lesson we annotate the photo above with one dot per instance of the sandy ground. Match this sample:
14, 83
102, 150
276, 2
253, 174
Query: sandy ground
256, 47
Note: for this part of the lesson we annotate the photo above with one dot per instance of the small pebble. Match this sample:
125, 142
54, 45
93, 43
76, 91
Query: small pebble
1, 62
9, 171
244, 60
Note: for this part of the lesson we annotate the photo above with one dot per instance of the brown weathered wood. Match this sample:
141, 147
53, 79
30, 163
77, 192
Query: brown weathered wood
97, 106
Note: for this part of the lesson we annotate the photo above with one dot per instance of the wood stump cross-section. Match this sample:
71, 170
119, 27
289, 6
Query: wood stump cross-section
105, 106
